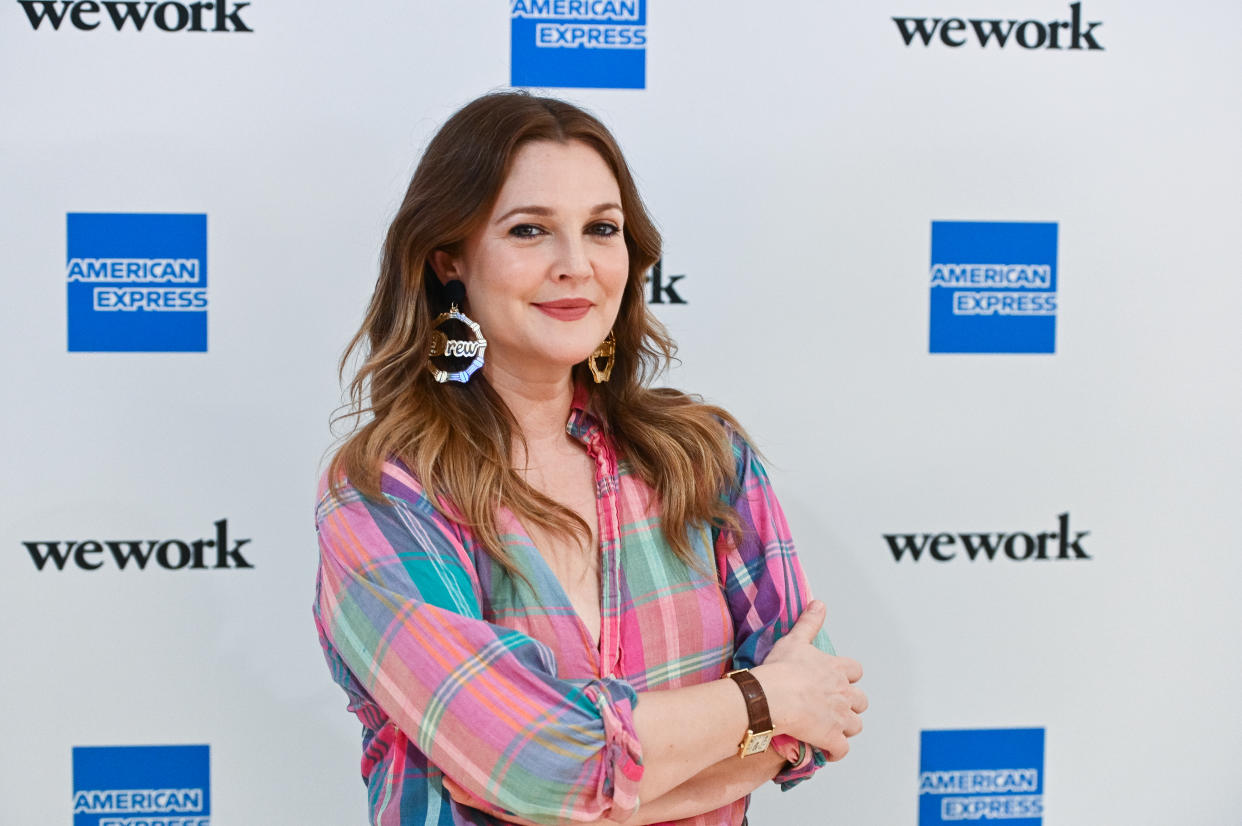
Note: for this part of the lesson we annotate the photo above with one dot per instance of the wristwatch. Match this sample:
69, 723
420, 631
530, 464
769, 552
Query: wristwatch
759, 734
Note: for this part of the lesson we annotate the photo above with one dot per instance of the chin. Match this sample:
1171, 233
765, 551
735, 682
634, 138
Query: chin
569, 359
571, 352
558, 355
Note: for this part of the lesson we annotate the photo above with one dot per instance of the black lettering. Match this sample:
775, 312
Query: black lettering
919, 27
1054, 29
196, 15
84, 548
952, 24
125, 552
163, 557
994, 30
79, 9
233, 16
161, 16
1021, 35
198, 545
1027, 539
661, 290
169, 15
47, 9
1018, 546
934, 548
976, 542
120, 12
1066, 544
53, 553
1078, 35
901, 543
224, 553
172, 554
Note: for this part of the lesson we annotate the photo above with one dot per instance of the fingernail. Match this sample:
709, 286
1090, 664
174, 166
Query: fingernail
816, 606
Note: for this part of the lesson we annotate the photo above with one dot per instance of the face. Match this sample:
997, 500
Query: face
545, 273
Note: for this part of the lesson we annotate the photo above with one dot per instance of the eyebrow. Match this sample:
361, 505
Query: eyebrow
545, 211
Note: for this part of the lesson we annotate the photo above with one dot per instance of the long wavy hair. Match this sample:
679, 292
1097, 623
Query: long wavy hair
458, 439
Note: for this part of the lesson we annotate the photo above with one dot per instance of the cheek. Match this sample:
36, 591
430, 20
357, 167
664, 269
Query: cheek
498, 274
618, 269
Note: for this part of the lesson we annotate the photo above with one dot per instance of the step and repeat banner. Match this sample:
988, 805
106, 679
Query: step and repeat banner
966, 270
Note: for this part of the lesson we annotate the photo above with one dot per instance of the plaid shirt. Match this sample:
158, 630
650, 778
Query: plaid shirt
467, 677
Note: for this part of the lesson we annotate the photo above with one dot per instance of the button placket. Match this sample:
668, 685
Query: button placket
607, 511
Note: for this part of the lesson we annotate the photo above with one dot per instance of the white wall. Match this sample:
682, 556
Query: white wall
795, 155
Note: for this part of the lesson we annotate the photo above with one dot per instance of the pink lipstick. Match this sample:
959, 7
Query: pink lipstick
565, 309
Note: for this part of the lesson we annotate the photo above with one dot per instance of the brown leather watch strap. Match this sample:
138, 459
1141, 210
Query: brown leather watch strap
756, 701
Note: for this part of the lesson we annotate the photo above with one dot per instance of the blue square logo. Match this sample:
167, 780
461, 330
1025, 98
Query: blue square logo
136, 785
136, 283
976, 775
993, 287
597, 44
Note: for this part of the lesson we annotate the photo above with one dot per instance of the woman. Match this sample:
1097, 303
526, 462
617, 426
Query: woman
534, 577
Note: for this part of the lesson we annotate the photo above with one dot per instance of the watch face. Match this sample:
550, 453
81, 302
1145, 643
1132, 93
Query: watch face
757, 743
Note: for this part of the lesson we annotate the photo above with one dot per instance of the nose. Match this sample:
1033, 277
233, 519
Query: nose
574, 261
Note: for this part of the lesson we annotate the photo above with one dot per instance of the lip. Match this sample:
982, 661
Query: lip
565, 309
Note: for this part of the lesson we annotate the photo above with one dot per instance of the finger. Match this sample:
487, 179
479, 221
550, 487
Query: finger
853, 725
850, 668
809, 623
456, 792
836, 748
858, 701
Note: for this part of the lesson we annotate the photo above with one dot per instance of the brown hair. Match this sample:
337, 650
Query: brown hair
457, 438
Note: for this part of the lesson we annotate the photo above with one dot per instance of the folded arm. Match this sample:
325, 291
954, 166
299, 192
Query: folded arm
399, 612
713, 788
764, 586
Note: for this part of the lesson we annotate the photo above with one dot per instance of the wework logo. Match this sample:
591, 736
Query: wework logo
1020, 546
664, 287
1029, 34
170, 554
85, 15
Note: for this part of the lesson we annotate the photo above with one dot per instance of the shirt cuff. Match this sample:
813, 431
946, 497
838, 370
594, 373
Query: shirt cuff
623, 755
795, 772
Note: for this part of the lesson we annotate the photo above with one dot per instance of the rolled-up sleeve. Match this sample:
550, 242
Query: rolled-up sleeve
763, 581
398, 611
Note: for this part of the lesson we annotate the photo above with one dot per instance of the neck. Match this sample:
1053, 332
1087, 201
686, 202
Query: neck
541, 408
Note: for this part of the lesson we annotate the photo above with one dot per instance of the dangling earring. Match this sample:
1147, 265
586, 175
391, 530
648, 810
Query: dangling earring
444, 347
608, 352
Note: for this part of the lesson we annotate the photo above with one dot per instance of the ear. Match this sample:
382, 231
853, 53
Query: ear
445, 266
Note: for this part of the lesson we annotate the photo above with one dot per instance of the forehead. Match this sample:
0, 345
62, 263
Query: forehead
559, 175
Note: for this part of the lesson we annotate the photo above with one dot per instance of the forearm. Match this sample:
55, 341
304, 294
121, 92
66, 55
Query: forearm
687, 738
685, 731
716, 786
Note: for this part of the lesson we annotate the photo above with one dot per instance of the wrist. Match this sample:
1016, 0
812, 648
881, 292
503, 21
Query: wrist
771, 677
759, 728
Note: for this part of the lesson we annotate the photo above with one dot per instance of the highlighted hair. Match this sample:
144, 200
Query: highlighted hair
458, 438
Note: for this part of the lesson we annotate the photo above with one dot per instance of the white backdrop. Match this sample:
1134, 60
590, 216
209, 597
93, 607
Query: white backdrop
794, 155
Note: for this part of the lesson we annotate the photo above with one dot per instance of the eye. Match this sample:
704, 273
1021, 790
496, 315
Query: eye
525, 231
604, 229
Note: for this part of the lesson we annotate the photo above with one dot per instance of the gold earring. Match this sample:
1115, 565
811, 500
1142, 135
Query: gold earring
442, 346
607, 351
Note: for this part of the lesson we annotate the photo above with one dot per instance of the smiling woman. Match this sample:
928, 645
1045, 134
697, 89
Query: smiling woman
546, 271
549, 590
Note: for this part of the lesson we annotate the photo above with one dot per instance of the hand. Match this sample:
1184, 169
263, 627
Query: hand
812, 695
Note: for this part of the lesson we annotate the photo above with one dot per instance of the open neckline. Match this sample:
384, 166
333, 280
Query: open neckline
563, 595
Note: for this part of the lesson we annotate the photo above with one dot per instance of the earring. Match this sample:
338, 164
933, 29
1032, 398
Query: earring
444, 347
607, 351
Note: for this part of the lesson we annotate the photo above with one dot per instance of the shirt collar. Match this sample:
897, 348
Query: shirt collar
582, 424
